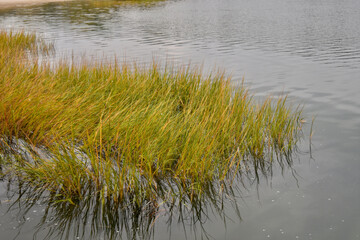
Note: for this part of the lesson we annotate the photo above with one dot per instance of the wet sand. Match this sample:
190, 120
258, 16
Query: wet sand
19, 3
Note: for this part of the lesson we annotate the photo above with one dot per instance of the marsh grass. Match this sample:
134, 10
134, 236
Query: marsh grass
131, 133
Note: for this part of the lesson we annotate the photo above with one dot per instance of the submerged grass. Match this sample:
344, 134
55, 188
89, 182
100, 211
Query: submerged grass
129, 132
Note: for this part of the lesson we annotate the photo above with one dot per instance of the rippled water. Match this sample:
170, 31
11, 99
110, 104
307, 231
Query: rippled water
309, 50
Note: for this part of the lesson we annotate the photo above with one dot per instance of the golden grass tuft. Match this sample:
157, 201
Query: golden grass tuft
130, 132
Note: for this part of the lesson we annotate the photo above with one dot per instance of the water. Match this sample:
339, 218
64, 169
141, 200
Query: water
309, 50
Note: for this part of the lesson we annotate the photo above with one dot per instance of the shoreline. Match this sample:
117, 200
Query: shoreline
5, 4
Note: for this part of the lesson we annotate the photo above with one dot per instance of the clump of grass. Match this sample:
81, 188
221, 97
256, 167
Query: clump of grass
131, 132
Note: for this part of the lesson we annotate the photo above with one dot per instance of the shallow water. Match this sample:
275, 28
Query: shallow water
308, 50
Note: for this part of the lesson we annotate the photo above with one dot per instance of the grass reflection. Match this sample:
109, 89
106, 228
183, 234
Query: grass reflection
95, 217
86, 12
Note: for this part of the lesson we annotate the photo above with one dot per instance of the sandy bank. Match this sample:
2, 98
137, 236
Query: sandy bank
19, 3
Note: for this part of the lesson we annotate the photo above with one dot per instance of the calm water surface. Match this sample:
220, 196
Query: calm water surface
309, 50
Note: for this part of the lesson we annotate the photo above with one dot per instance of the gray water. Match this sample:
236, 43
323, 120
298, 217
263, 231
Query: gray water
309, 50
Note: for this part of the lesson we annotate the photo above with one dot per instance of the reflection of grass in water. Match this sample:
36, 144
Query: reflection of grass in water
129, 133
110, 3
91, 11
96, 218
88, 12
